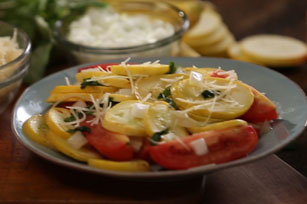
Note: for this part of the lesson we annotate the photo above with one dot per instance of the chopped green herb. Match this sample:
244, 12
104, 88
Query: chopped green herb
157, 136
171, 102
81, 128
209, 93
89, 112
86, 83
72, 117
166, 93
172, 68
111, 100
166, 96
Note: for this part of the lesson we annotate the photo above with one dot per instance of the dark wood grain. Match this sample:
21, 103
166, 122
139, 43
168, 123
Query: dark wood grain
27, 178
265, 181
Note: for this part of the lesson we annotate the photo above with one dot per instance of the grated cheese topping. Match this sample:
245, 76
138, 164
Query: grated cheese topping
67, 81
9, 49
172, 80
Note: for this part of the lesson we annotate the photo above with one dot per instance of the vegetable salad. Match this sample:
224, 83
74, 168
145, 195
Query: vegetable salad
126, 117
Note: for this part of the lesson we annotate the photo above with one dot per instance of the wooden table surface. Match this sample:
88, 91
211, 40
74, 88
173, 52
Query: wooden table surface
27, 178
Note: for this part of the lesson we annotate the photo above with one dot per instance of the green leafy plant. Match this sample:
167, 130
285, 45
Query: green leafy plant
37, 18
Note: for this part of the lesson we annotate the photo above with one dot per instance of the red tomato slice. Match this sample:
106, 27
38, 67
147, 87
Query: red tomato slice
223, 145
144, 151
261, 110
113, 145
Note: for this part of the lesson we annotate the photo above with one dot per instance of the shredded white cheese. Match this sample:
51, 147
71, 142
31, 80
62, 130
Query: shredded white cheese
95, 69
172, 80
146, 98
67, 81
9, 49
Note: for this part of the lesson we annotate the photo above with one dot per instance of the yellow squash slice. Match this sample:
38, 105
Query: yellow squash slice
234, 51
207, 24
126, 166
78, 89
220, 34
104, 78
83, 154
36, 129
55, 121
159, 118
274, 50
75, 93
72, 97
156, 84
218, 48
120, 97
218, 125
214, 97
120, 119
140, 69
185, 50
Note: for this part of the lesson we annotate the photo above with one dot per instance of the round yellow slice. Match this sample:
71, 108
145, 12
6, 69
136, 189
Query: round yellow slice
275, 50
120, 119
36, 129
207, 24
218, 48
155, 85
218, 125
140, 69
186, 50
55, 121
126, 166
159, 118
228, 99
218, 35
234, 52
61, 144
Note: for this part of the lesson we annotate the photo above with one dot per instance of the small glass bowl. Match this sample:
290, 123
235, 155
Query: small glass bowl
13, 73
167, 46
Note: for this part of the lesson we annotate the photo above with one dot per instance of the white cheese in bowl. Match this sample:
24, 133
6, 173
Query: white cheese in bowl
103, 27
8, 52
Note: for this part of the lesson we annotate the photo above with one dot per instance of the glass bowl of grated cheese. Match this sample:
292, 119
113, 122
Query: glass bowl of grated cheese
122, 29
15, 48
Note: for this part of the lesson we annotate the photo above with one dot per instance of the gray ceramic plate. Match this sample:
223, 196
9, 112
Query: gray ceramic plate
289, 98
